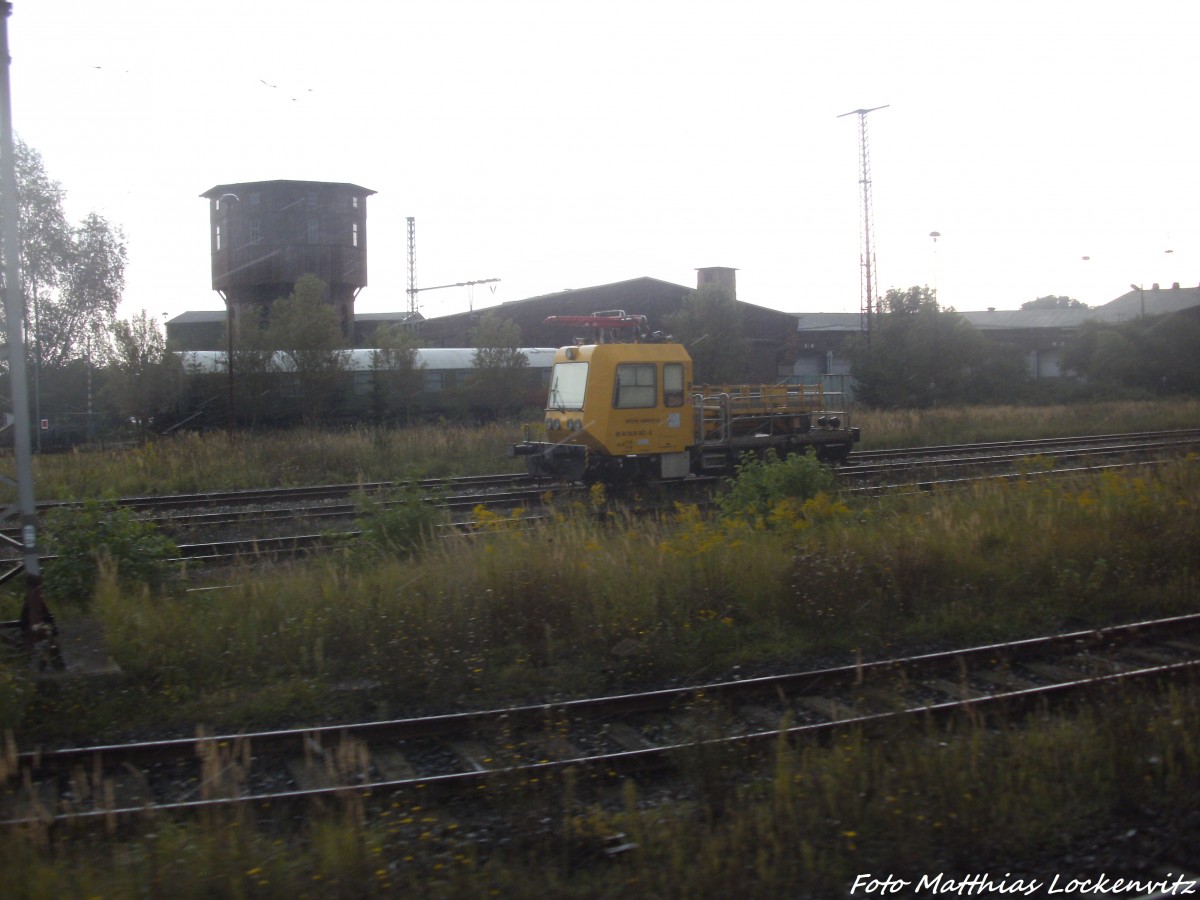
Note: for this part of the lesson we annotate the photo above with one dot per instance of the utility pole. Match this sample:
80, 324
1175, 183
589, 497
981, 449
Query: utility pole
36, 623
867, 281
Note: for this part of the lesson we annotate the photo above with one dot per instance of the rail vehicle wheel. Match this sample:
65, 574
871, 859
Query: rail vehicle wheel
834, 454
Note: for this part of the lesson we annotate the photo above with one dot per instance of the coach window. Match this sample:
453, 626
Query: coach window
673, 384
635, 386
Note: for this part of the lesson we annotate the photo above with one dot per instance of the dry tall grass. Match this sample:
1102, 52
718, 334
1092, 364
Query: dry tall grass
212, 461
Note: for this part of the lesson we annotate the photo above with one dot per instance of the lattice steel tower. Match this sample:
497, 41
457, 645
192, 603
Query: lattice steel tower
867, 278
412, 265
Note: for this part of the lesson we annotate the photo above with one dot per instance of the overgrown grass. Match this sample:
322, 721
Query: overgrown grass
196, 462
212, 461
581, 604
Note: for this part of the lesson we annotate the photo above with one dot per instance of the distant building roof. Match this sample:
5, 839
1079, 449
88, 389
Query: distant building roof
404, 316
1157, 301
828, 321
646, 296
619, 290
198, 316
202, 316
991, 319
215, 193
431, 358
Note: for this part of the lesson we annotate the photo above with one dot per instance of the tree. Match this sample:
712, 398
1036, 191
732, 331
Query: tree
253, 368
45, 234
304, 328
1053, 302
709, 324
1155, 354
74, 276
308, 343
396, 370
920, 354
499, 365
91, 294
144, 380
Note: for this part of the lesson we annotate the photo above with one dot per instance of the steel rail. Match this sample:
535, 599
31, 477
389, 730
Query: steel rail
620, 763
1027, 443
791, 683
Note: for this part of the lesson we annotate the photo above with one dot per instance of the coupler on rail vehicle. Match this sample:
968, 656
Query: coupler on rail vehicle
561, 461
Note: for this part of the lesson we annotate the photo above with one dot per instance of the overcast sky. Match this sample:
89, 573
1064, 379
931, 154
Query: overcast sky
560, 144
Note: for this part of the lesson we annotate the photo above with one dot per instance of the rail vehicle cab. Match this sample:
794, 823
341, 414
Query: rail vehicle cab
616, 410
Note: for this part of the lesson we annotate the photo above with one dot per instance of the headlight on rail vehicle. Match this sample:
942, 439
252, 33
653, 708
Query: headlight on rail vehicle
575, 424
553, 424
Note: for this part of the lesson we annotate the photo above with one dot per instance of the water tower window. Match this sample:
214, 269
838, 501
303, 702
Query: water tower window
218, 234
354, 234
354, 202
314, 231
255, 231
254, 198
312, 199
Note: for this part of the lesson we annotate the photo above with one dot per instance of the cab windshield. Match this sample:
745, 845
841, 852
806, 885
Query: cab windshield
567, 383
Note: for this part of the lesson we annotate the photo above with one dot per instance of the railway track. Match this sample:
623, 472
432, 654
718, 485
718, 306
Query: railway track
994, 456
211, 526
461, 754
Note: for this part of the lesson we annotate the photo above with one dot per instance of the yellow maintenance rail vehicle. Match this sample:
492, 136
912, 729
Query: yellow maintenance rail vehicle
627, 409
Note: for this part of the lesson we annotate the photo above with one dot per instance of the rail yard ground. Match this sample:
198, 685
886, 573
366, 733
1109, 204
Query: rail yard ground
586, 605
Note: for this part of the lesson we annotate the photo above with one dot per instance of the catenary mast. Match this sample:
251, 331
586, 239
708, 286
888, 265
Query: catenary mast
868, 283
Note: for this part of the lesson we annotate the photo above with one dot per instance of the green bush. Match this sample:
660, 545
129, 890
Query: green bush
760, 485
100, 532
397, 522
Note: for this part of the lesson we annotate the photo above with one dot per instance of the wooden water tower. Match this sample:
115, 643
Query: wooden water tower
264, 235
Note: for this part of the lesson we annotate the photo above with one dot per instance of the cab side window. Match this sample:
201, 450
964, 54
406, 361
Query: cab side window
635, 387
673, 384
